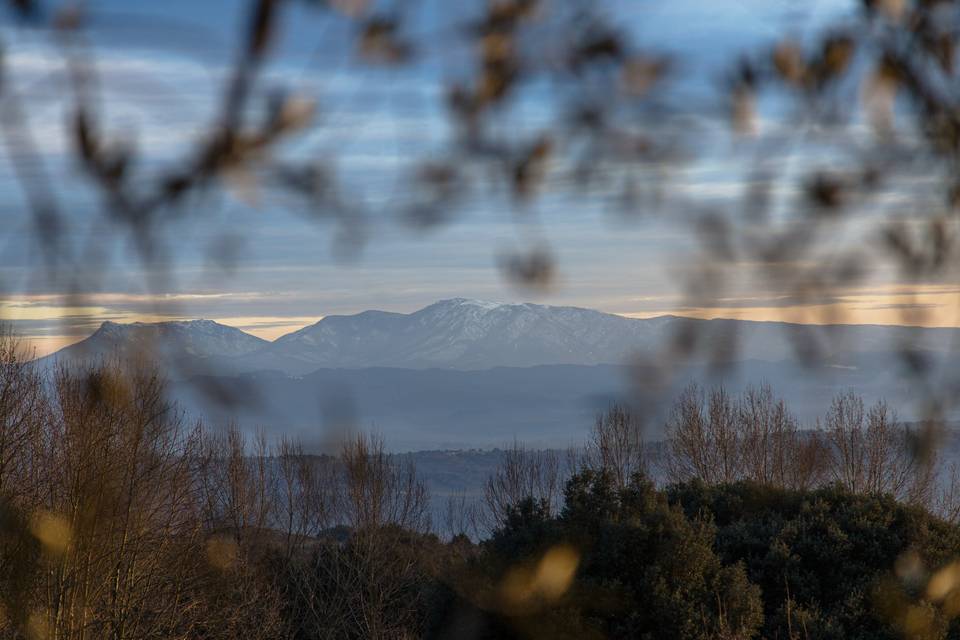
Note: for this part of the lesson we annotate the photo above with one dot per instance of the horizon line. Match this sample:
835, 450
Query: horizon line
272, 328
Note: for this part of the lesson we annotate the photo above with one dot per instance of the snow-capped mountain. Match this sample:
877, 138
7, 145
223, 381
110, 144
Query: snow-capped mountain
472, 334
183, 344
467, 334
473, 373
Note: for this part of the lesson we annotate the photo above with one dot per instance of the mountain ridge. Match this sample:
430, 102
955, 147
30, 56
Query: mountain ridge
179, 343
470, 334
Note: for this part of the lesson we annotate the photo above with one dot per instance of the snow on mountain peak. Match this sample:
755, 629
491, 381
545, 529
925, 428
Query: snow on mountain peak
468, 302
457, 333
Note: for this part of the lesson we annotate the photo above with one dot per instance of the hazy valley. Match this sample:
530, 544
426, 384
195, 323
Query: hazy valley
464, 373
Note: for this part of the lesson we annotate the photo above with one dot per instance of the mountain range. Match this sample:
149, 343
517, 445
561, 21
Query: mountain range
471, 373
474, 335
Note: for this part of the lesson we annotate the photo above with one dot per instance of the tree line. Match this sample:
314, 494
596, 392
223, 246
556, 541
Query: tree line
718, 438
120, 519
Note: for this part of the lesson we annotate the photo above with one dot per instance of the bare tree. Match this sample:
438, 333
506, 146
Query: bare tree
774, 450
362, 587
523, 473
462, 516
867, 447
378, 490
304, 494
946, 503
703, 441
806, 467
752, 437
237, 485
616, 444
119, 519
687, 439
844, 425
871, 452
22, 411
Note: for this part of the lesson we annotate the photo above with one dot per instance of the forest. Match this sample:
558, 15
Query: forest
120, 520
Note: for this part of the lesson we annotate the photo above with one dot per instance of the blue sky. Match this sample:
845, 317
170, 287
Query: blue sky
161, 67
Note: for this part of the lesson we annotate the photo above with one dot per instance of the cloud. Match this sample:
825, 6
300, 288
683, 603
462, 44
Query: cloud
376, 125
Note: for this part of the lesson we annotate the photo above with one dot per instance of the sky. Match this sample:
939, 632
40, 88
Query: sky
256, 259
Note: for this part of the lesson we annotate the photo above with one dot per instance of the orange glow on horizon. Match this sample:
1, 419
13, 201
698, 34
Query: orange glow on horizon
925, 306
